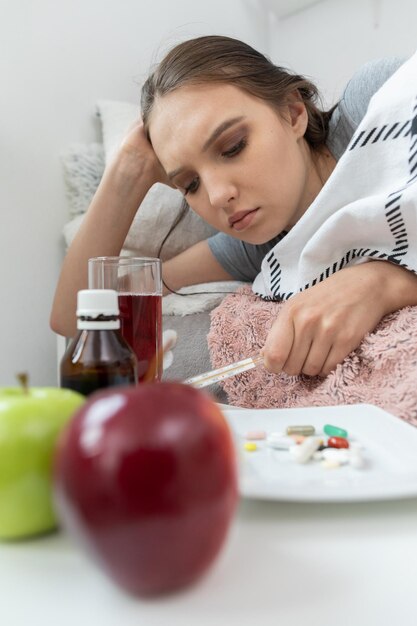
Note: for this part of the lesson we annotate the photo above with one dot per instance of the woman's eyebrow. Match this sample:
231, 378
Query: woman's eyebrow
221, 128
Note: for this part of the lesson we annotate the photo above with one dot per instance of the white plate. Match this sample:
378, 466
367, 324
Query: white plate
389, 447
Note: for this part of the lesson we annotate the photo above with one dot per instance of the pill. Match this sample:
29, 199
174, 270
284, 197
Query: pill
338, 442
330, 464
300, 430
303, 452
317, 456
280, 441
250, 446
335, 431
341, 455
255, 434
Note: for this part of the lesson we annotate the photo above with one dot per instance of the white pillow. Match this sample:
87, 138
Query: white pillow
161, 205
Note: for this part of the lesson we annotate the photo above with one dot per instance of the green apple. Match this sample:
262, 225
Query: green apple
30, 422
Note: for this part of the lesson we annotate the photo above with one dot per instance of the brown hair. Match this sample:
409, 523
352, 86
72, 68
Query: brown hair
219, 59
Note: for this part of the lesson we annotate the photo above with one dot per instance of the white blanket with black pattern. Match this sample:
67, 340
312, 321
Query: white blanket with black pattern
368, 207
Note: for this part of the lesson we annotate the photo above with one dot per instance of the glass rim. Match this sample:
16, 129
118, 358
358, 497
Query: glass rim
125, 260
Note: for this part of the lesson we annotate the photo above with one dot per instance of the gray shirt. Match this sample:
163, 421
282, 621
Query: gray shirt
243, 260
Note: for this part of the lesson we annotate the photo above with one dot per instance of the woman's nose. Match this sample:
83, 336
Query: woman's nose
221, 192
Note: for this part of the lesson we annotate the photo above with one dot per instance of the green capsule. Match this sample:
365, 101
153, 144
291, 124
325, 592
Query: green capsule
300, 430
335, 431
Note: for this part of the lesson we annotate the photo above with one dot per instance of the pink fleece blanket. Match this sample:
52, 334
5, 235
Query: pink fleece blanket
381, 371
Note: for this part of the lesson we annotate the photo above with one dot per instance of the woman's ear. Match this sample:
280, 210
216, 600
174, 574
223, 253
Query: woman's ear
297, 113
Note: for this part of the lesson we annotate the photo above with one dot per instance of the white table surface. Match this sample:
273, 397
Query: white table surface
286, 564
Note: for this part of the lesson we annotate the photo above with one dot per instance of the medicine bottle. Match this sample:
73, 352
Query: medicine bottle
98, 356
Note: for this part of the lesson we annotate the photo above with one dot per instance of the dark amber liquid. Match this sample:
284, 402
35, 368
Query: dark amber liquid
141, 326
87, 383
96, 359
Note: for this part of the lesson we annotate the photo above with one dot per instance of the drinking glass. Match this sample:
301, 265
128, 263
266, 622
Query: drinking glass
138, 283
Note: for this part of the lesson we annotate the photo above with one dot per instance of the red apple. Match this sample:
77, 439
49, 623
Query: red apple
145, 478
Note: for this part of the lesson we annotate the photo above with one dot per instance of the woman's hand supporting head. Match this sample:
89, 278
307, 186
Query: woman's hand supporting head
137, 156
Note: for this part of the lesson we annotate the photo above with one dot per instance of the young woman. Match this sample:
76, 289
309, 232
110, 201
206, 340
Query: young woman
248, 146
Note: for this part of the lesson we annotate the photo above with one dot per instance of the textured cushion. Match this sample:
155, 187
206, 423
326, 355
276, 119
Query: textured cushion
83, 167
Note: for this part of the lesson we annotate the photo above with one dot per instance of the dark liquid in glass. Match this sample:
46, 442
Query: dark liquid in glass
141, 326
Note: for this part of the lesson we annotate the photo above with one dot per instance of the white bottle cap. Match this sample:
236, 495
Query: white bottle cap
95, 302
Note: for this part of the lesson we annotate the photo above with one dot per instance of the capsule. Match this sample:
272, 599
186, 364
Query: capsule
335, 431
303, 452
250, 446
338, 442
305, 430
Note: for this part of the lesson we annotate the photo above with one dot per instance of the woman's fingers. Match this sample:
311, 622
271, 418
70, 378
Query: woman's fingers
318, 328
339, 351
278, 344
316, 358
289, 342
309, 339
295, 353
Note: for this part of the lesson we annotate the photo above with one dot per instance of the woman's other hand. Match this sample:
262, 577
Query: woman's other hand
319, 327
136, 148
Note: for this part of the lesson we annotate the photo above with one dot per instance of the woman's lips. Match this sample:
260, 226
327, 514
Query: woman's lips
242, 219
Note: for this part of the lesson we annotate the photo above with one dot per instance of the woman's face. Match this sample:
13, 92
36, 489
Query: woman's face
244, 168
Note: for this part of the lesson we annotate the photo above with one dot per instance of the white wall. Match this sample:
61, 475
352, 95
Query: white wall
331, 39
56, 59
